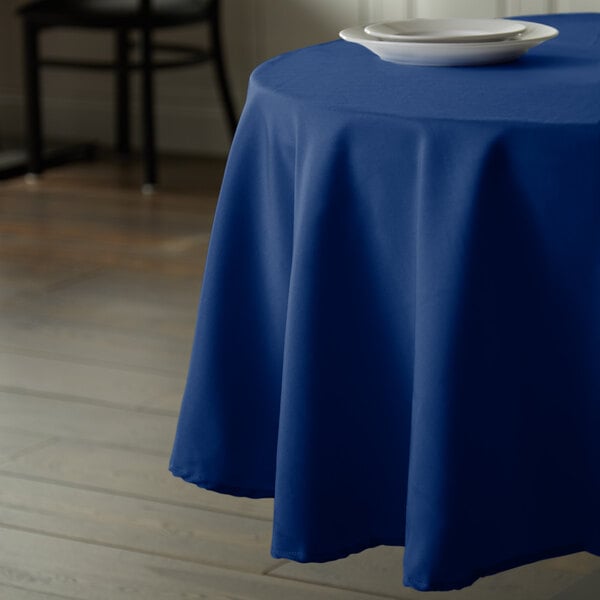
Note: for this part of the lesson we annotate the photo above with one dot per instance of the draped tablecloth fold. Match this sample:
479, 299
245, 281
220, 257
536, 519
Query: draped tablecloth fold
399, 329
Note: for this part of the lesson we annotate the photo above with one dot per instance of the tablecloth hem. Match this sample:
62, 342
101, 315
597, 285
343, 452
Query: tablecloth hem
321, 557
441, 586
222, 488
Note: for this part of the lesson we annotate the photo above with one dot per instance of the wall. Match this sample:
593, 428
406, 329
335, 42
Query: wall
78, 104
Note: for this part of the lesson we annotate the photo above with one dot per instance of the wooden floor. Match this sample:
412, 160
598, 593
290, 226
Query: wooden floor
98, 290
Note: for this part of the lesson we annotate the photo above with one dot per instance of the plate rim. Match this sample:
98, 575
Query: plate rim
519, 27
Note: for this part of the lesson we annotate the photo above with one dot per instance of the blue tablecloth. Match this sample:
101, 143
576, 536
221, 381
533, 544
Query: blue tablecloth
399, 329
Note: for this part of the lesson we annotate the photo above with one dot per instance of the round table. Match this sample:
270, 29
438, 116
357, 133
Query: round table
399, 329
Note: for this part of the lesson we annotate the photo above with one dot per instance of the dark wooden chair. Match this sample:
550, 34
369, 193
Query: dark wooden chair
124, 17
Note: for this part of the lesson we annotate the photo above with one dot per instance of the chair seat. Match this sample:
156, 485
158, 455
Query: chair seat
114, 13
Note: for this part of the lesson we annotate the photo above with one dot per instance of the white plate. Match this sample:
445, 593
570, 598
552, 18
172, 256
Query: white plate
455, 54
445, 30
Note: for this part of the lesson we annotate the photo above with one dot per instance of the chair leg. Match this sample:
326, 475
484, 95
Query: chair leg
32, 97
123, 129
215, 31
149, 148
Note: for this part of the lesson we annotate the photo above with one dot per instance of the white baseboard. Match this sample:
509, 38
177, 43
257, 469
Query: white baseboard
182, 129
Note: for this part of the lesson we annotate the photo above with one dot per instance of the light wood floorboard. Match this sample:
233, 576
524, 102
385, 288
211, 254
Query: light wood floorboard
114, 313
18, 280
14, 442
93, 572
191, 534
128, 473
114, 386
584, 589
88, 423
60, 339
9, 592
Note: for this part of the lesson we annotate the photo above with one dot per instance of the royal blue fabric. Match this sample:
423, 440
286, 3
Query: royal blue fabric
399, 329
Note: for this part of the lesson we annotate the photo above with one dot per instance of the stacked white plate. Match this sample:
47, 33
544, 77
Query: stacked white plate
450, 42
